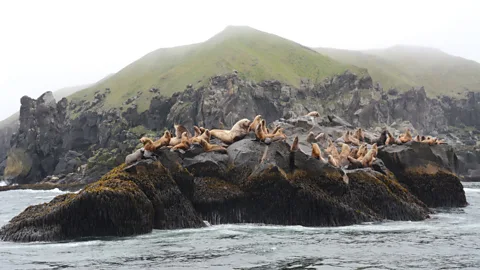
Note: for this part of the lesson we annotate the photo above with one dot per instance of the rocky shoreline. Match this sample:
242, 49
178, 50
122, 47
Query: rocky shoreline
252, 182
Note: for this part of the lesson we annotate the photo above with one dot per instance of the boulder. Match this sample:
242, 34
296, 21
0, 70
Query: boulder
427, 171
119, 204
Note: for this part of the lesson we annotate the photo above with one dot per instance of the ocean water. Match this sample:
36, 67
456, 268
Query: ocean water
449, 240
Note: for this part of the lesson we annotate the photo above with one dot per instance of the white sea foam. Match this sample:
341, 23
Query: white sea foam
472, 190
3, 183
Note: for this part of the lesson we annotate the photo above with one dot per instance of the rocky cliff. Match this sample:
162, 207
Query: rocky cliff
80, 142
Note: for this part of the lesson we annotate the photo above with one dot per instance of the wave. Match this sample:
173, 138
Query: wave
3, 183
55, 190
473, 190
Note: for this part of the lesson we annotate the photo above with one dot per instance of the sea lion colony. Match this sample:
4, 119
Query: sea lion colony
356, 149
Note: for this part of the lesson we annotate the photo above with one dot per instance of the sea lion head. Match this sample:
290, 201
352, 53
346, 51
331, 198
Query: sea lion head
167, 134
144, 140
242, 124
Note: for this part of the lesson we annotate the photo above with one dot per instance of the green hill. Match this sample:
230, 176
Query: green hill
254, 54
406, 66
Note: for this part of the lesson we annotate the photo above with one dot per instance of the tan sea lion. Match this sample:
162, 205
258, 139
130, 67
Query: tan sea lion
317, 153
368, 158
184, 144
179, 129
406, 137
375, 150
197, 130
238, 132
204, 136
352, 139
277, 128
355, 162
254, 123
359, 135
344, 153
362, 150
332, 149
207, 147
313, 113
332, 161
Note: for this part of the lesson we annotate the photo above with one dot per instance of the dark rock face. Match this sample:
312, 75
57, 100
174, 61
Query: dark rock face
39, 139
427, 171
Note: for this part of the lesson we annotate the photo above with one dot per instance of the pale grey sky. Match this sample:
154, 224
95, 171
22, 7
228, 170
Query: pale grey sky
47, 45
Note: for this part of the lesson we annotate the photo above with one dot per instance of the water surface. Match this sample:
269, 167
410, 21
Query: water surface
449, 240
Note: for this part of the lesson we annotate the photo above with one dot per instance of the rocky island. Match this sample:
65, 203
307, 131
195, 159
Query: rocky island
250, 182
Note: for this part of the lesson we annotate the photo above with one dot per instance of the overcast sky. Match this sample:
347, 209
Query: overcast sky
46, 45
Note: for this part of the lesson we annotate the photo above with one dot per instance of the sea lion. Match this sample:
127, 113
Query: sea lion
362, 150
294, 146
352, 139
134, 157
332, 149
353, 152
184, 144
254, 123
260, 134
406, 137
207, 147
197, 130
368, 158
204, 136
417, 138
317, 153
148, 144
359, 135
311, 138
277, 128
342, 160
313, 113
278, 135
179, 130
375, 150
383, 138
391, 140
163, 141
346, 136
238, 132
264, 126
355, 162
332, 161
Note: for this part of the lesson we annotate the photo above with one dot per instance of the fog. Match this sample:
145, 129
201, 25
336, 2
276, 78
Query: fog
48, 45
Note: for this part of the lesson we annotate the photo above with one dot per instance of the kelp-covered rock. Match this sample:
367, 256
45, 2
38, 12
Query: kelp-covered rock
280, 187
114, 208
427, 171
252, 183
120, 204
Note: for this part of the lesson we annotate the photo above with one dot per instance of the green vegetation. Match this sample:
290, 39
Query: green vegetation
254, 54
406, 66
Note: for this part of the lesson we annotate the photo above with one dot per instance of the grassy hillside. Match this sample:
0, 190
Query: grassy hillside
407, 66
254, 54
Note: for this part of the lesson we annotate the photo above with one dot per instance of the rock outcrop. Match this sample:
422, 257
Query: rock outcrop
252, 182
427, 171
119, 204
